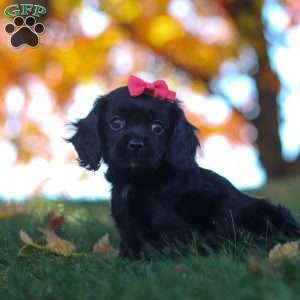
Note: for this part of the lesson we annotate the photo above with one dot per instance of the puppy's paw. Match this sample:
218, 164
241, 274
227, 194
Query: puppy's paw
128, 253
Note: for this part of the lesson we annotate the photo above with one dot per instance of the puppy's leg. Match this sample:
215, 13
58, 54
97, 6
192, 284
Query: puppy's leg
131, 242
130, 245
256, 216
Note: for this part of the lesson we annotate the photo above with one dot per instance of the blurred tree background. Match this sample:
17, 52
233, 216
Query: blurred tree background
230, 61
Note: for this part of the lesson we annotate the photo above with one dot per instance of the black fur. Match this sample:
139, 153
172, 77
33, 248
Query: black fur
160, 195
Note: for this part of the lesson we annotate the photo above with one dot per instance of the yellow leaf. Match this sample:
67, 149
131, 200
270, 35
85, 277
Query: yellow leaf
27, 240
103, 246
56, 244
164, 29
125, 10
285, 251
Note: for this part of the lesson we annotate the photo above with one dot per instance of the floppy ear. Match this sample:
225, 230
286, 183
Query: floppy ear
183, 142
86, 140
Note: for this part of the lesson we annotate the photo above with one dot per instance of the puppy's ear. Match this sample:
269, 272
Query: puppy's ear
86, 140
183, 142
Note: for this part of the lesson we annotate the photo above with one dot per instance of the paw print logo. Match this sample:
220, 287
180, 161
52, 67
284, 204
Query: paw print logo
24, 32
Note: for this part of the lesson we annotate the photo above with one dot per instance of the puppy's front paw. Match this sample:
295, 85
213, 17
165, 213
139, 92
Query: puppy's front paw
128, 253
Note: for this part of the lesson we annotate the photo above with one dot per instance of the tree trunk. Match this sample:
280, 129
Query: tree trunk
267, 123
268, 86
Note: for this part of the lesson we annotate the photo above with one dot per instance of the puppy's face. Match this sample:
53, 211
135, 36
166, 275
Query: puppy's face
134, 133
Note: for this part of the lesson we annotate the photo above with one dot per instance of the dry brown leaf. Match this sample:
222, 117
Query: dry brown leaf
285, 251
27, 240
103, 246
56, 244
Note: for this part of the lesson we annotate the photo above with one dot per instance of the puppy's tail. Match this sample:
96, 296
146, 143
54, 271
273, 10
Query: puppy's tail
281, 218
254, 218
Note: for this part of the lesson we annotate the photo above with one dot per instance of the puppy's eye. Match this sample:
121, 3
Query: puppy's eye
157, 128
116, 123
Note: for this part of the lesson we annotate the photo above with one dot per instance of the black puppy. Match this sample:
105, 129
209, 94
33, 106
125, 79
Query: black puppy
160, 195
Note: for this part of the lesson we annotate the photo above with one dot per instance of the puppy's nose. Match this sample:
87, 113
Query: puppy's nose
135, 144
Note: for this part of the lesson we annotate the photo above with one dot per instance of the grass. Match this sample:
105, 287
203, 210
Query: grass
40, 275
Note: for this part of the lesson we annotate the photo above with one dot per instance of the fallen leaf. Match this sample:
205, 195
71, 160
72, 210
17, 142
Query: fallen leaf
27, 240
56, 244
285, 251
104, 247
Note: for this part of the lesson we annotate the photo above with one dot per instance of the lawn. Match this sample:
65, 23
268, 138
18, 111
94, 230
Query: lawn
36, 274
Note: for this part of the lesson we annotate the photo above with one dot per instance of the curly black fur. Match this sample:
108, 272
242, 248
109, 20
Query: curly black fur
160, 195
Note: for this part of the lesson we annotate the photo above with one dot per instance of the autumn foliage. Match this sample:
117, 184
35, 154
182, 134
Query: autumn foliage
157, 41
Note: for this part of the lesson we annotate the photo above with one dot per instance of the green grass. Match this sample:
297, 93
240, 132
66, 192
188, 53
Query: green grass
41, 275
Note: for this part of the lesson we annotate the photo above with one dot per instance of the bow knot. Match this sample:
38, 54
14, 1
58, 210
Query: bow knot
158, 88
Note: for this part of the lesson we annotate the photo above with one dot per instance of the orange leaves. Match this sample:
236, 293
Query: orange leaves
124, 10
63, 8
58, 63
30, 141
163, 29
167, 36
131, 11
234, 128
67, 57
149, 24
89, 55
110, 37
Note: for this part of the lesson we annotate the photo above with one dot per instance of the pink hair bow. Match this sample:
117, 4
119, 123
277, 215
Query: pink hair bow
158, 88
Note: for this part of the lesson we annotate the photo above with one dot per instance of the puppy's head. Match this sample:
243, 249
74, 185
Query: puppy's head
134, 133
